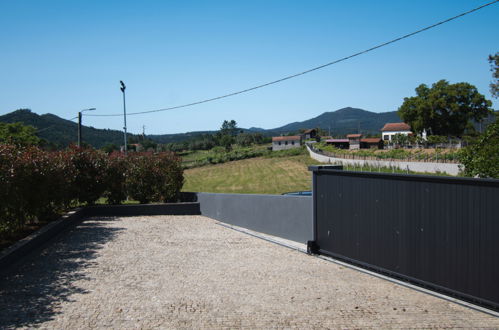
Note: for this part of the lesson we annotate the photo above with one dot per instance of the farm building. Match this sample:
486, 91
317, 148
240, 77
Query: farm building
285, 142
371, 143
339, 143
354, 141
390, 129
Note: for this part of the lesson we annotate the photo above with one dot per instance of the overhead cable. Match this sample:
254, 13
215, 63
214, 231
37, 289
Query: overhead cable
306, 71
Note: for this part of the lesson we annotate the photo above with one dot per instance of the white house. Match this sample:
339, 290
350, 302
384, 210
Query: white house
390, 129
285, 142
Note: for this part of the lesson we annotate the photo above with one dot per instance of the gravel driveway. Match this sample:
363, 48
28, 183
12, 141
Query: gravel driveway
190, 272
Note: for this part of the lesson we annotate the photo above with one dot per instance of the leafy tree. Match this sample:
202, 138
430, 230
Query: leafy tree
481, 158
444, 109
229, 128
19, 134
228, 131
494, 86
400, 139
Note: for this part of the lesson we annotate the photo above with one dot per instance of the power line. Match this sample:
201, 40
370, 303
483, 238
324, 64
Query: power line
307, 71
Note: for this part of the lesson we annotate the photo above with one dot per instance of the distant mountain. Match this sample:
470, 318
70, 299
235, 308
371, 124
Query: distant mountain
344, 121
62, 132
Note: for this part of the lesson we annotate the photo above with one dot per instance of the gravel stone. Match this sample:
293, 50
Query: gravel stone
188, 272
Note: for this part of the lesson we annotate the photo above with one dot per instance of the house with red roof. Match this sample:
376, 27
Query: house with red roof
286, 142
390, 129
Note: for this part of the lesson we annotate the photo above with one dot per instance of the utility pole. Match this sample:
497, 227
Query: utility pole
143, 132
123, 87
79, 129
79, 125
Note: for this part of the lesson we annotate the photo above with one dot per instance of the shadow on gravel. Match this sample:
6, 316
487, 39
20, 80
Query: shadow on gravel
32, 290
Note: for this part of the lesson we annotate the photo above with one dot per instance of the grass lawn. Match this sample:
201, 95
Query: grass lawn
252, 176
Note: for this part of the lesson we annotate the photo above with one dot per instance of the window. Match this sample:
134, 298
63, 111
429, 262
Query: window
279, 142
286, 142
293, 143
386, 137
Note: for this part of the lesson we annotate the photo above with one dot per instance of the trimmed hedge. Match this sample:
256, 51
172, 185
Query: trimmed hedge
36, 185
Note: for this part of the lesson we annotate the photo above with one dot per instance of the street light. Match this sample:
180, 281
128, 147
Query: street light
79, 125
123, 87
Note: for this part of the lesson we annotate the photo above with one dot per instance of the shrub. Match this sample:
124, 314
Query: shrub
154, 177
88, 169
115, 171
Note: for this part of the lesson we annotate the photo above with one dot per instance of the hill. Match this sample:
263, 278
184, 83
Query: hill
344, 121
62, 132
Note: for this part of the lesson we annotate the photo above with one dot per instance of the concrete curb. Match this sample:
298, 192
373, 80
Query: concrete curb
19, 250
16, 252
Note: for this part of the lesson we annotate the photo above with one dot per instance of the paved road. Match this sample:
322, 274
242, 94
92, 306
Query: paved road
190, 272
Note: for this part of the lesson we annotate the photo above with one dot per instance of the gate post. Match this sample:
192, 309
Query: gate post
312, 246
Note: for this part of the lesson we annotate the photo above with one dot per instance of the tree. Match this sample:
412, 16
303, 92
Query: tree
227, 133
444, 109
494, 85
229, 128
17, 133
481, 158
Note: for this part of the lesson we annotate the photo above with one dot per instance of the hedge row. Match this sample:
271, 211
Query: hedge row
35, 184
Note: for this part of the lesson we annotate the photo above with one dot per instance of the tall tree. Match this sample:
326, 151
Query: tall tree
444, 109
494, 85
229, 128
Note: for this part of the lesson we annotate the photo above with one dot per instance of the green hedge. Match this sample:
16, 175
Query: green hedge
37, 185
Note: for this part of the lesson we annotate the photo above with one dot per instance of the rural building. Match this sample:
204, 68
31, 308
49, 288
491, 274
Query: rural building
285, 142
374, 143
390, 129
339, 143
310, 134
354, 141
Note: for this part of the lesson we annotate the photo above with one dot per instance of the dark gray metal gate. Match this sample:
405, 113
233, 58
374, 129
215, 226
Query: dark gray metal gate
437, 232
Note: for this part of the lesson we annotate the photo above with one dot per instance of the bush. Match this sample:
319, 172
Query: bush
115, 171
36, 185
88, 167
154, 177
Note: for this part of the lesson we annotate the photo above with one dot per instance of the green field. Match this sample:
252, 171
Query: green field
276, 173
252, 176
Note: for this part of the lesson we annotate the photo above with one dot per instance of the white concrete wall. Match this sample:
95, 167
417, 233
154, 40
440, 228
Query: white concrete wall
452, 169
284, 146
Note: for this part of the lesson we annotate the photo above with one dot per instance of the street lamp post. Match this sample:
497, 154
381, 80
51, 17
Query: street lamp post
79, 125
123, 87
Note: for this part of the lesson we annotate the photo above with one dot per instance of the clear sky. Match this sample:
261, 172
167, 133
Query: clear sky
63, 56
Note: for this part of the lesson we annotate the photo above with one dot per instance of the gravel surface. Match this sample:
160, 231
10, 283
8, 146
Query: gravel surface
190, 272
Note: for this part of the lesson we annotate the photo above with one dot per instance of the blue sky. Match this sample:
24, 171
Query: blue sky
62, 56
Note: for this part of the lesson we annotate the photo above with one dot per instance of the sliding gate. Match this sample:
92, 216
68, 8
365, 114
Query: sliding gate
438, 232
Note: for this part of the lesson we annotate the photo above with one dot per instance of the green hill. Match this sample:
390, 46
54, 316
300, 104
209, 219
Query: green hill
344, 121
62, 132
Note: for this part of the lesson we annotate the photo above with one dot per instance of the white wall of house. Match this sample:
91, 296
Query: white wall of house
388, 135
283, 145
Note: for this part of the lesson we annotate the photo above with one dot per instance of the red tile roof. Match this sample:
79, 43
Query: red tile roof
396, 127
354, 136
309, 131
370, 140
286, 138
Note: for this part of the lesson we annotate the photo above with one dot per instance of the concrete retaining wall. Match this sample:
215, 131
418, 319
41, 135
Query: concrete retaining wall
449, 168
289, 217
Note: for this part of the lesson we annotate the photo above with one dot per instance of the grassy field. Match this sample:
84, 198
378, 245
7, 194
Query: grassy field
253, 176
263, 175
